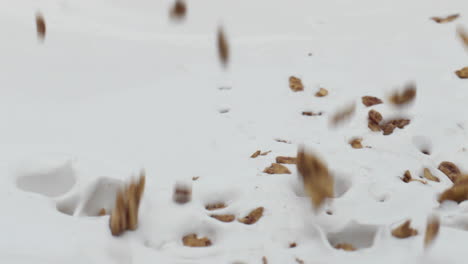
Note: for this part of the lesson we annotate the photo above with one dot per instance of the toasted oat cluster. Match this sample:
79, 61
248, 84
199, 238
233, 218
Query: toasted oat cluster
192, 240
370, 101
406, 96
295, 84
252, 217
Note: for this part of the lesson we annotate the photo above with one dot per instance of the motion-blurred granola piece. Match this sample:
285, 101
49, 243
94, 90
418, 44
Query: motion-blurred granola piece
295, 84
179, 10
463, 34
442, 20
343, 114
253, 216
282, 140
102, 212
404, 230
405, 97
124, 216
40, 26
458, 192
462, 73
276, 168
223, 47
432, 230
192, 240
318, 183
286, 160
299, 261
182, 193
450, 169
370, 101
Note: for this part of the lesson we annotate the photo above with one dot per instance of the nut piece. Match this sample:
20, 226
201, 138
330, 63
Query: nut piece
256, 154
404, 230
276, 168
264, 260
295, 84
356, 143
345, 247
179, 10
265, 153
252, 217
450, 169
407, 96
292, 245
215, 206
223, 48
462, 73
318, 183
428, 175
224, 217
322, 92
195, 178
192, 240
286, 160
40, 26
442, 20
432, 230
370, 101
182, 194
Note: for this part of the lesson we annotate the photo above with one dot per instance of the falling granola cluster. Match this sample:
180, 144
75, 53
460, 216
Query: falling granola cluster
124, 216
